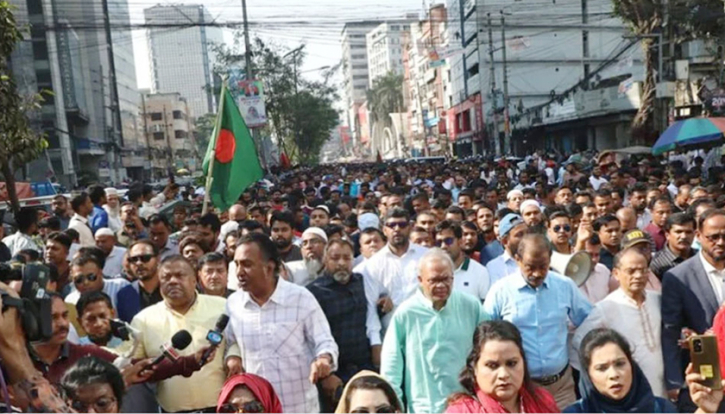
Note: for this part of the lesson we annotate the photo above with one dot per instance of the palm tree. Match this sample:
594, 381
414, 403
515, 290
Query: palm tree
386, 97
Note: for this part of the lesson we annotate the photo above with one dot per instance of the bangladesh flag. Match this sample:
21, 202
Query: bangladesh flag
235, 164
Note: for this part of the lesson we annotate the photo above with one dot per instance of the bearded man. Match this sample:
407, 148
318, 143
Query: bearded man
302, 272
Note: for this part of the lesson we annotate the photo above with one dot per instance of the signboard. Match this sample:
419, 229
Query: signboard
249, 96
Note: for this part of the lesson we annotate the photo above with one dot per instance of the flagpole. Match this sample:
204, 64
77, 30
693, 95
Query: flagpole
217, 128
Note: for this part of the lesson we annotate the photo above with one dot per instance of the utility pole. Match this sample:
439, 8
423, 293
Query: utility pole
492, 81
146, 133
116, 108
250, 76
506, 99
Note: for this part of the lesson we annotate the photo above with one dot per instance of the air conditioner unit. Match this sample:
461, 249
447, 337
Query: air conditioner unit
156, 128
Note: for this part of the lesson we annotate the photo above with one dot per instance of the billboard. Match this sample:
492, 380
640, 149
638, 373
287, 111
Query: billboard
249, 96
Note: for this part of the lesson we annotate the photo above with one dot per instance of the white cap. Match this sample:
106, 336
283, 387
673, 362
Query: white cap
111, 191
368, 220
104, 231
528, 203
513, 193
316, 231
323, 208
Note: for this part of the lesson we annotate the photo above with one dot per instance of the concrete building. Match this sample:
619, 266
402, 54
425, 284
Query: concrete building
181, 59
170, 133
384, 49
84, 141
550, 48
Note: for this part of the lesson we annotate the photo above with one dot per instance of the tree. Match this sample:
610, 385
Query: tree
386, 97
300, 113
19, 143
204, 126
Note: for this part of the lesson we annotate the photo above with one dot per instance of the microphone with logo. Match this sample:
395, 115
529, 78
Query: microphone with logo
169, 350
215, 337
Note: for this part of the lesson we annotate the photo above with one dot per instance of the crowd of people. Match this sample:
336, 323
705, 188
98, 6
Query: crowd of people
404, 287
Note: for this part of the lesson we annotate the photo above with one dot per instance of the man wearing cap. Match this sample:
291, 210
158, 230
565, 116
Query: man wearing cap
320, 216
511, 229
106, 241
302, 272
113, 209
641, 241
514, 198
531, 214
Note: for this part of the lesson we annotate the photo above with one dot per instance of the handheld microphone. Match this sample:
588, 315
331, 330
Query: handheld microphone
215, 336
169, 351
125, 332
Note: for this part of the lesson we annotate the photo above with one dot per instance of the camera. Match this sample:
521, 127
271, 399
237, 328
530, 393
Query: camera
697, 346
34, 303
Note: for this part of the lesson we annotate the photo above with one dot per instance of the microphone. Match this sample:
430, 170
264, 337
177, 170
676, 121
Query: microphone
179, 342
215, 336
125, 332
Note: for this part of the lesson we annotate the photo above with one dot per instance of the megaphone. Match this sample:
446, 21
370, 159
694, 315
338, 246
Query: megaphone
575, 266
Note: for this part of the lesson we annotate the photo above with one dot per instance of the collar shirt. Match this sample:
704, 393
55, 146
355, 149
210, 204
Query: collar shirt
21, 241
111, 287
70, 353
169, 249
501, 267
98, 219
644, 219
279, 340
597, 182
665, 260
716, 278
157, 324
659, 236
542, 315
114, 262
639, 324
596, 287
80, 224
472, 278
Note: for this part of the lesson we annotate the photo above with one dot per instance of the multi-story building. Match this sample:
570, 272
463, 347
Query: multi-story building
384, 49
181, 58
170, 133
78, 119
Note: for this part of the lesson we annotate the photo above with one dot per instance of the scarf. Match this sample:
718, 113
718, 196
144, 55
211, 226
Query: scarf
260, 387
540, 402
342, 405
639, 399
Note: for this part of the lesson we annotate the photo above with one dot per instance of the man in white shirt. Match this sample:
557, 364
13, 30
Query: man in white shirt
277, 329
596, 179
83, 207
27, 223
469, 276
302, 272
393, 268
635, 313
86, 274
106, 241
237, 213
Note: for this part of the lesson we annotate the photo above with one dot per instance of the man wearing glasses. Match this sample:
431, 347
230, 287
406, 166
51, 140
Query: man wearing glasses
144, 289
393, 268
86, 274
302, 272
469, 276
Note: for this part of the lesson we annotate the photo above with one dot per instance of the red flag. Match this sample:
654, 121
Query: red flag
379, 158
284, 160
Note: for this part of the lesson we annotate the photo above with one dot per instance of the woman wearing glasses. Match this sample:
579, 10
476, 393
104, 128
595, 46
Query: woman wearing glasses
248, 393
93, 385
496, 379
368, 392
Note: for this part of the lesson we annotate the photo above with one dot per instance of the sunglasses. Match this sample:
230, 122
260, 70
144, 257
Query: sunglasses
247, 407
141, 258
91, 277
103, 405
447, 241
380, 409
558, 228
714, 238
399, 224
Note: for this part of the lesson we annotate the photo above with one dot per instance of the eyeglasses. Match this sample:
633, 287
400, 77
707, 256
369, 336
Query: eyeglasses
247, 407
398, 224
714, 238
381, 409
102, 405
447, 241
558, 228
91, 277
141, 258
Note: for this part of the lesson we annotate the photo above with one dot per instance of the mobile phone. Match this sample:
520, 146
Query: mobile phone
706, 360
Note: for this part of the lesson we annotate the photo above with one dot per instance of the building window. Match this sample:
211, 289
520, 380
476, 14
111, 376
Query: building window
158, 136
178, 115
157, 116
179, 134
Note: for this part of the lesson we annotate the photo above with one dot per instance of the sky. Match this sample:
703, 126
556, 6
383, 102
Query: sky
290, 23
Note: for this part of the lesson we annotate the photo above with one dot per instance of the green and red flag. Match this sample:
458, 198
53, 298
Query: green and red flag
231, 163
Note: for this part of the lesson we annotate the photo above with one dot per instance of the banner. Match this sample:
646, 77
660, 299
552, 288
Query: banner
249, 97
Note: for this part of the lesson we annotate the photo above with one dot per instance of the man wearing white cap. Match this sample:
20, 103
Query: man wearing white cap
514, 198
106, 241
320, 216
113, 208
531, 213
302, 272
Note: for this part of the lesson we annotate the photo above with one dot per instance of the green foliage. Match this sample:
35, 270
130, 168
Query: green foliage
204, 128
386, 97
300, 112
19, 143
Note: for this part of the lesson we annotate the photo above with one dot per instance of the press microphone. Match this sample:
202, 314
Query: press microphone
215, 337
125, 332
169, 351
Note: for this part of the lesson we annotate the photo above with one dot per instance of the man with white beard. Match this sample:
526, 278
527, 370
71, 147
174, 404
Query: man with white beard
302, 272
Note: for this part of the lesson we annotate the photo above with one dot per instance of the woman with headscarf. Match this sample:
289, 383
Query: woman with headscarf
496, 378
368, 392
611, 382
248, 393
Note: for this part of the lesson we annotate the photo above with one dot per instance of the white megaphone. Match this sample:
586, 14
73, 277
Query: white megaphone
575, 266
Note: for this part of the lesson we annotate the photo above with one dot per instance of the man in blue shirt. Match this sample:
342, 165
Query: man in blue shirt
99, 217
541, 304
